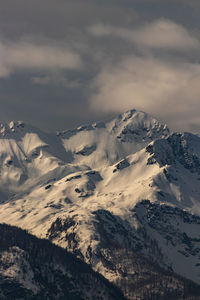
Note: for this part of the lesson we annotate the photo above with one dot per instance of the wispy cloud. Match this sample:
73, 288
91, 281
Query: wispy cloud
57, 80
170, 91
160, 34
163, 83
23, 56
51, 48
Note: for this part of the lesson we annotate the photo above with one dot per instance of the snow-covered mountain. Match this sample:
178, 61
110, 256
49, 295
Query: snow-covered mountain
31, 268
123, 184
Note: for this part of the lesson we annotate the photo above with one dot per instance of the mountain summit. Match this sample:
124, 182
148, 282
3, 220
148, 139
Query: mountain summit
100, 190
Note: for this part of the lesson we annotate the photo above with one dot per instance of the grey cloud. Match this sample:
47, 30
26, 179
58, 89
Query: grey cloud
27, 56
58, 80
53, 60
58, 18
192, 3
170, 91
163, 34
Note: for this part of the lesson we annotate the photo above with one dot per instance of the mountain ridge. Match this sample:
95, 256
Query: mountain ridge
81, 185
31, 268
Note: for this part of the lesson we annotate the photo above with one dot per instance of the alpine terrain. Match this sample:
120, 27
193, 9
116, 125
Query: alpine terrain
123, 196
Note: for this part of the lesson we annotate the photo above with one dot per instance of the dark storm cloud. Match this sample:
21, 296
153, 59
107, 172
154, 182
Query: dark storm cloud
65, 62
57, 18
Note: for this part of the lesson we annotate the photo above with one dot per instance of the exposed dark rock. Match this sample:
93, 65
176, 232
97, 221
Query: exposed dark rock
54, 273
48, 186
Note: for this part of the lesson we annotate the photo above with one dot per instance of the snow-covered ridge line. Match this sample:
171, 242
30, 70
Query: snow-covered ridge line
82, 185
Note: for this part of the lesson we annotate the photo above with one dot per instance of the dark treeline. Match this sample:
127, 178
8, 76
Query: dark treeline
57, 273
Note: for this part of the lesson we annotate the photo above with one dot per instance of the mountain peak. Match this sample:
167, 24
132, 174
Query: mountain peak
126, 180
133, 124
140, 119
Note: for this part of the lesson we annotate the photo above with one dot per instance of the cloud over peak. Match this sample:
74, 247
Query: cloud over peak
168, 90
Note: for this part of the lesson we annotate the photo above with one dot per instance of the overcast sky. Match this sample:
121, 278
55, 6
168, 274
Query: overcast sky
68, 62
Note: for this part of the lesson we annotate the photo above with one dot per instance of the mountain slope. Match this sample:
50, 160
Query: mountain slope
35, 269
31, 268
128, 181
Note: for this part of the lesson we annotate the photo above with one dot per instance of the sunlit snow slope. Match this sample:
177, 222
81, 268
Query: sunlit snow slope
126, 183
